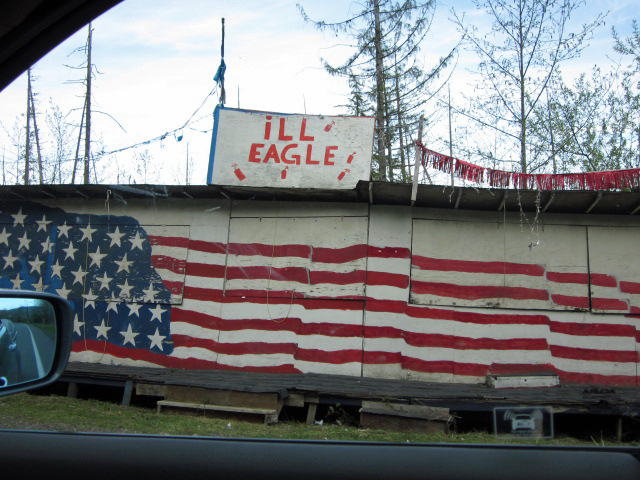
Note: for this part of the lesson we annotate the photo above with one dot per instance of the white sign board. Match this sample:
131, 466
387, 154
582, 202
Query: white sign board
263, 149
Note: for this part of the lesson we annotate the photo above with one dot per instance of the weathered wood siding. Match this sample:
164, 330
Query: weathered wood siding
378, 291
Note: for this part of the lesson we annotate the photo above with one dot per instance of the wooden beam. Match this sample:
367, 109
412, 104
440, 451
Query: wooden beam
504, 200
595, 202
549, 202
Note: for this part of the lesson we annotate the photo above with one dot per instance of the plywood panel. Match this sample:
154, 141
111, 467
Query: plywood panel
499, 266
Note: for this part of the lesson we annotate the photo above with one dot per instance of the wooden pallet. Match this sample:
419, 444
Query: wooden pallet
270, 416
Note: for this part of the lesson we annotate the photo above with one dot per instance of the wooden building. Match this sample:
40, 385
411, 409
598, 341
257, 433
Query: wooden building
466, 283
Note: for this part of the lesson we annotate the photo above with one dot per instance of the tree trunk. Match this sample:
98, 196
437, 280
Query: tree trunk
87, 117
380, 123
27, 149
35, 131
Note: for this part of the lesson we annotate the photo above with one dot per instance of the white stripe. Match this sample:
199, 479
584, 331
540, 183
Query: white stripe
488, 279
317, 291
623, 344
400, 266
477, 357
307, 342
593, 366
452, 327
231, 311
208, 258
106, 359
204, 282
178, 253
384, 292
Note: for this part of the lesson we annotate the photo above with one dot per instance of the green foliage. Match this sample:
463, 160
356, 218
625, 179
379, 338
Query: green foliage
519, 56
385, 77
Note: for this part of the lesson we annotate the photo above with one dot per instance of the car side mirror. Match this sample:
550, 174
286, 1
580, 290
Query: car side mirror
35, 339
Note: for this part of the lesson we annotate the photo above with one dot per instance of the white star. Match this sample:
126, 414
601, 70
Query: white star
43, 224
149, 294
36, 264
156, 313
78, 276
18, 218
125, 289
17, 282
63, 292
56, 269
90, 300
104, 282
129, 336
87, 233
70, 251
123, 264
102, 330
96, 257
136, 242
134, 309
112, 304
46, 245
39, 286
115, 237
4, 237
24, 242
156, 339
77, 325
9, 259
63, 230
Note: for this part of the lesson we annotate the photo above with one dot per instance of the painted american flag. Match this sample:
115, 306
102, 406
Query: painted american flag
321, 294
102, 264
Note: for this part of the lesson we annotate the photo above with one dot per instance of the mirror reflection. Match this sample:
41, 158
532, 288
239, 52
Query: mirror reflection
27, 339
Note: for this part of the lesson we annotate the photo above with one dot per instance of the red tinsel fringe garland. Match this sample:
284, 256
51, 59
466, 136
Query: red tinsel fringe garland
614, 179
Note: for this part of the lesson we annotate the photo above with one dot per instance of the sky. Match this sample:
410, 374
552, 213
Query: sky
156, 61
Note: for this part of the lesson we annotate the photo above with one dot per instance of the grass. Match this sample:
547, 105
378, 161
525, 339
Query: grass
37, 412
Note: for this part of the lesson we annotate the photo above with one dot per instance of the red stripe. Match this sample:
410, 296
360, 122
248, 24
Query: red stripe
337, 357
251, 249
593, 329
472, 266
295, 325
477, 292
465, 316
196, 293
208, 247
609, 304
460, 343
205, 270
169, 263
593, 354
287, 295
339, 255
630, 287
307, 303
569, 301
172, 362
175, 288
181, 242
424, 366
387, 279
579, 278
602, 280
290, 274
335, 278
388, 252
296, 274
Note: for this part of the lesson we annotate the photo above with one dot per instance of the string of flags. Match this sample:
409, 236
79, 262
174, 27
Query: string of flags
608, 180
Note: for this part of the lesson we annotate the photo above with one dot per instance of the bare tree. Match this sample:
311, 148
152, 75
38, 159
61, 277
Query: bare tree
528, 41
387, 35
